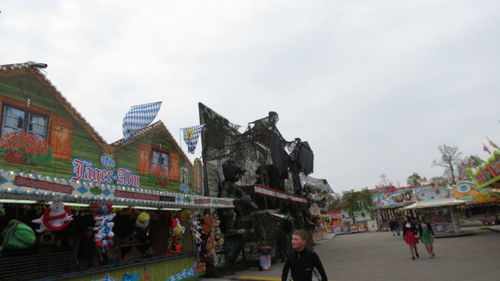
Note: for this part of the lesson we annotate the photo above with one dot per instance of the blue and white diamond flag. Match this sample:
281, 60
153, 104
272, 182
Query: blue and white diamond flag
138, 117
191, 135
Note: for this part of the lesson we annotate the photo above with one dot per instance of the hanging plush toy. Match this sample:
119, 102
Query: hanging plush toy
103, 226
195, 230
177, 231
219, 240
55, 217
141, 226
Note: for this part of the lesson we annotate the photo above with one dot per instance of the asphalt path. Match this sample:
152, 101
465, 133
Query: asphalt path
380, 256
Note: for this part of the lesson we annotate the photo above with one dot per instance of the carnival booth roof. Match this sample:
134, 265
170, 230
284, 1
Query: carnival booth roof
434, 203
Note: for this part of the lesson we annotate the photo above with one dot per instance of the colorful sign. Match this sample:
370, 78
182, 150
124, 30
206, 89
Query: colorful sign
396, 198
465, 190
84, 170
487, 173
19, 185
426, 193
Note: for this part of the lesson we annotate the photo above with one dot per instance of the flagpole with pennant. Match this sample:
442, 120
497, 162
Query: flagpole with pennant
191, 136
486, 149
493, 144
138, 117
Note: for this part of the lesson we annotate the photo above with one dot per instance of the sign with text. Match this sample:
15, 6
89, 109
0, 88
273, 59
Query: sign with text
50, 186
136, 195
85, 170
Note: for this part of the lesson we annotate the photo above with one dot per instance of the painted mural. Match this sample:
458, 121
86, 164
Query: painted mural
42, 134
467, 191
395, 198
426, 193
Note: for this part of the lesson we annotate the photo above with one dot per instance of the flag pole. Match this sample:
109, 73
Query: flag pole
180, 138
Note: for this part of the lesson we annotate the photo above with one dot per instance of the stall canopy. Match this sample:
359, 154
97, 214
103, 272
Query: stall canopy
434, 203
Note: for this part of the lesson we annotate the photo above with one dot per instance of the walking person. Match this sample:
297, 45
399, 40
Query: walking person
302, 262
427, 236
392, 227
397, 227
410, 234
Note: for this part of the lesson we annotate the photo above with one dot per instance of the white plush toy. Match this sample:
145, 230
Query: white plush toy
104, 226
55, 217
195, 229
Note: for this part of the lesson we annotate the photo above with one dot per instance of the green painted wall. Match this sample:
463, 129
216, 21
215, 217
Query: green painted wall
83, 145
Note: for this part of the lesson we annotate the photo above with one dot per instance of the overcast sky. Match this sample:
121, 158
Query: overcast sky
374, 86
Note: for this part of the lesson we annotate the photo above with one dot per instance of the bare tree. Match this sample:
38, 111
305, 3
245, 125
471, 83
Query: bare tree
450, 158
384, 180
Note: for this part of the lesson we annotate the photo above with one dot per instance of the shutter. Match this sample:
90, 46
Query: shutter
144, 159
196, 176
174, 167
61, 138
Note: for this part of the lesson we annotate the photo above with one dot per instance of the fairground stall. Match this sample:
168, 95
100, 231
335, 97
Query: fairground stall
437, 205
73, 207
335, 221
482, 206
388, 202
486, 178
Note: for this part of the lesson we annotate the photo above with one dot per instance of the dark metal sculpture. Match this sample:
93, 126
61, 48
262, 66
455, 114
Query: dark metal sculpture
234, 161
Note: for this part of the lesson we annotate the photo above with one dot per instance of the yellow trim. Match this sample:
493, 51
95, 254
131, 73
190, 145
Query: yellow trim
259, 278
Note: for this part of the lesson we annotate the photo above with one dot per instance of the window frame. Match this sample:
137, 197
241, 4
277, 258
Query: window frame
161, 151
27, 114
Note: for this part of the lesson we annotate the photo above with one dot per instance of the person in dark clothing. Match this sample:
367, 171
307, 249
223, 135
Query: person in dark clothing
302, 262
394, 227
391, 228
397, 227
87, 254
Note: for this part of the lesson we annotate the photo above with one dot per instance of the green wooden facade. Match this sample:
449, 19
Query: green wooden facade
29, 90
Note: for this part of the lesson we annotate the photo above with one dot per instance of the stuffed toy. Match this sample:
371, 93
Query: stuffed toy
208, 222
55, 217
218, 234
141, 226
195, 230
177, 230
103, 226
17, 235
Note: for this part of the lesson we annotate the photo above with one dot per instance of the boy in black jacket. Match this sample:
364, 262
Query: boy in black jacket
301, 262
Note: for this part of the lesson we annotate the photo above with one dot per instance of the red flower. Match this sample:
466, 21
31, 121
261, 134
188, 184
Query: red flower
24, 144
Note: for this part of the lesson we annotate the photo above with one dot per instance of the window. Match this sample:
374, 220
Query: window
17, 120
160, 158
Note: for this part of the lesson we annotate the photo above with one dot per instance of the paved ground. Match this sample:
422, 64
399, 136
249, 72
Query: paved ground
380, 256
